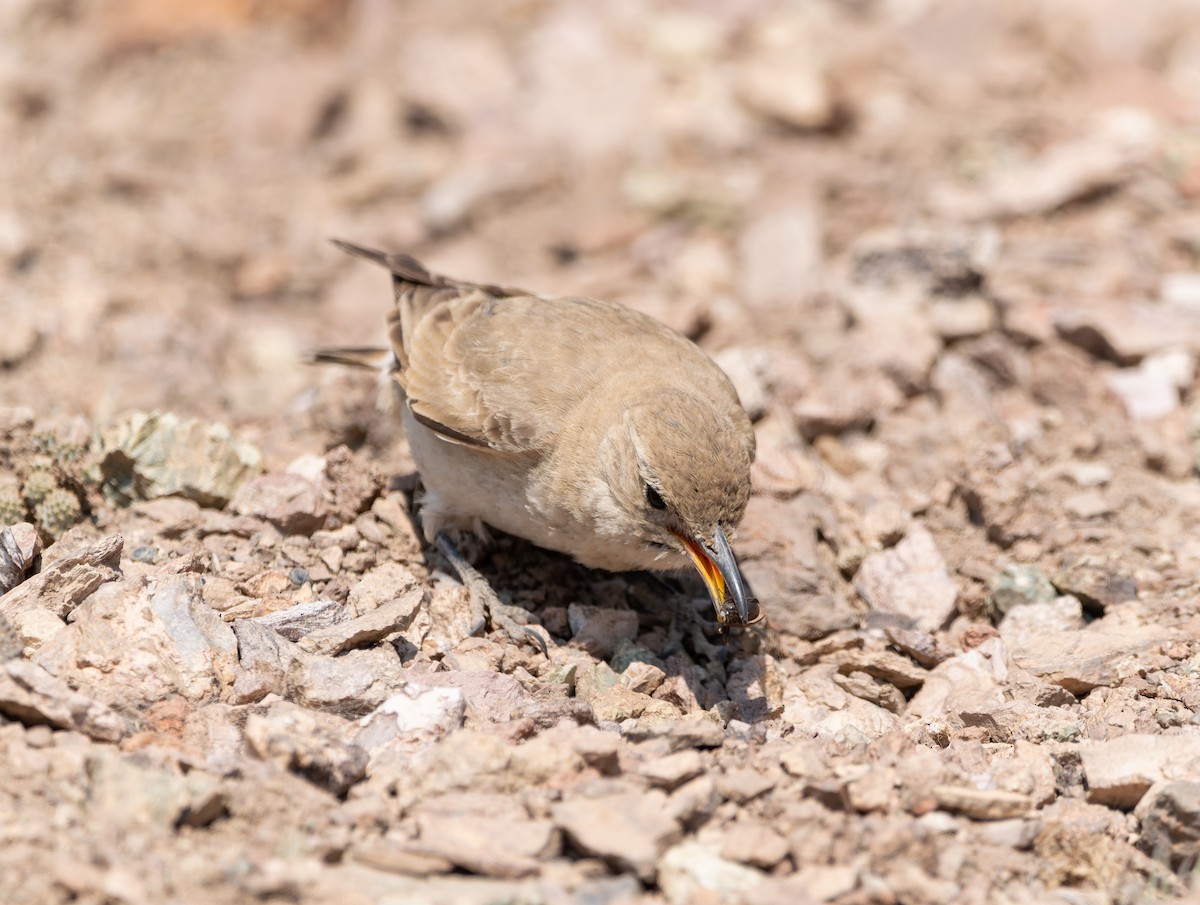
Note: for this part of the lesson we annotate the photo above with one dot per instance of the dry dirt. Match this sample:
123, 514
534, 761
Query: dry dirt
948, 252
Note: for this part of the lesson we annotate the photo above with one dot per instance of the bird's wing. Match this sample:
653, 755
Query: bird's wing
501, 369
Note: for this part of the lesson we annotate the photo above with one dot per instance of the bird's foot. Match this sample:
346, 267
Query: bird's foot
485, 605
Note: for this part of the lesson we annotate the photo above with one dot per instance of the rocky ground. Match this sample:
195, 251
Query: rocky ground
946, 249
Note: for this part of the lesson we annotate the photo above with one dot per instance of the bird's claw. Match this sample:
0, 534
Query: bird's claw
508, 618
485, 605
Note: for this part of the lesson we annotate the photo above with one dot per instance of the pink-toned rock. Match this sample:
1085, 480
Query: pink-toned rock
909, 580
1077, 659
131, 644
1121, 770
486, 834
385, 582
389, 618
629, 829
67, 581
754, 843
293, 504
31, 695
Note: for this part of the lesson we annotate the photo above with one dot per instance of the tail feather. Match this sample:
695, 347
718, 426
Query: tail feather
417, 292
371, 358
404, 267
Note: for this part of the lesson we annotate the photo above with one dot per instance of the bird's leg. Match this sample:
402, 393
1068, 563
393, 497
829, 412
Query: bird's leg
485, 604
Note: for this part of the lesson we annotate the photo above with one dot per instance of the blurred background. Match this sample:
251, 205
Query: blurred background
827, 194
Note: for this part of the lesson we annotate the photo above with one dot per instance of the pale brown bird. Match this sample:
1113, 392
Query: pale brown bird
577, 424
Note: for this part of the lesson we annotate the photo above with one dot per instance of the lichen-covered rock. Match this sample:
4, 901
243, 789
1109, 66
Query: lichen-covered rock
152, 455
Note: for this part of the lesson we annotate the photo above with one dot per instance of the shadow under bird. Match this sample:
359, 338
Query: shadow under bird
580, 425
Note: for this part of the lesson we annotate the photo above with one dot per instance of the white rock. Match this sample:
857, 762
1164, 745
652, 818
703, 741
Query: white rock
308, 466
1151, 390
424, 712
692, 871
1181, 289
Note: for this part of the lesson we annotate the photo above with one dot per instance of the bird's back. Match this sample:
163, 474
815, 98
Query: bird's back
501, 368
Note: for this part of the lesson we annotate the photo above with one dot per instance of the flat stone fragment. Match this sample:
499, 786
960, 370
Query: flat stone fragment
744, 784
34, 697
921, 646
695, 733
1098, 584
621, 703
399, 858
982, 804
694, 802
370, 884
126, 796
817, 705
65, 583
874, 691
304, 618
1103, 653
788, 88
881, 664
643, 678
819, 882
35, 626
910, 580
630, 829
394, 616
673, 770
754, 843
1128, 333
265, 659
385, 582
485, 834
1121, 770
1057, 176
351, 685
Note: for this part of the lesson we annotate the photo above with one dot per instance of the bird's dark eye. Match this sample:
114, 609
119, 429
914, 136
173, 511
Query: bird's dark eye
654, 498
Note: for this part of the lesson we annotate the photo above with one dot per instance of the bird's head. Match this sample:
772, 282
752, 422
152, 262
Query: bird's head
678, 471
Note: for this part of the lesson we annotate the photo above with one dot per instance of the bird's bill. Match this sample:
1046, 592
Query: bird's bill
723, 579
